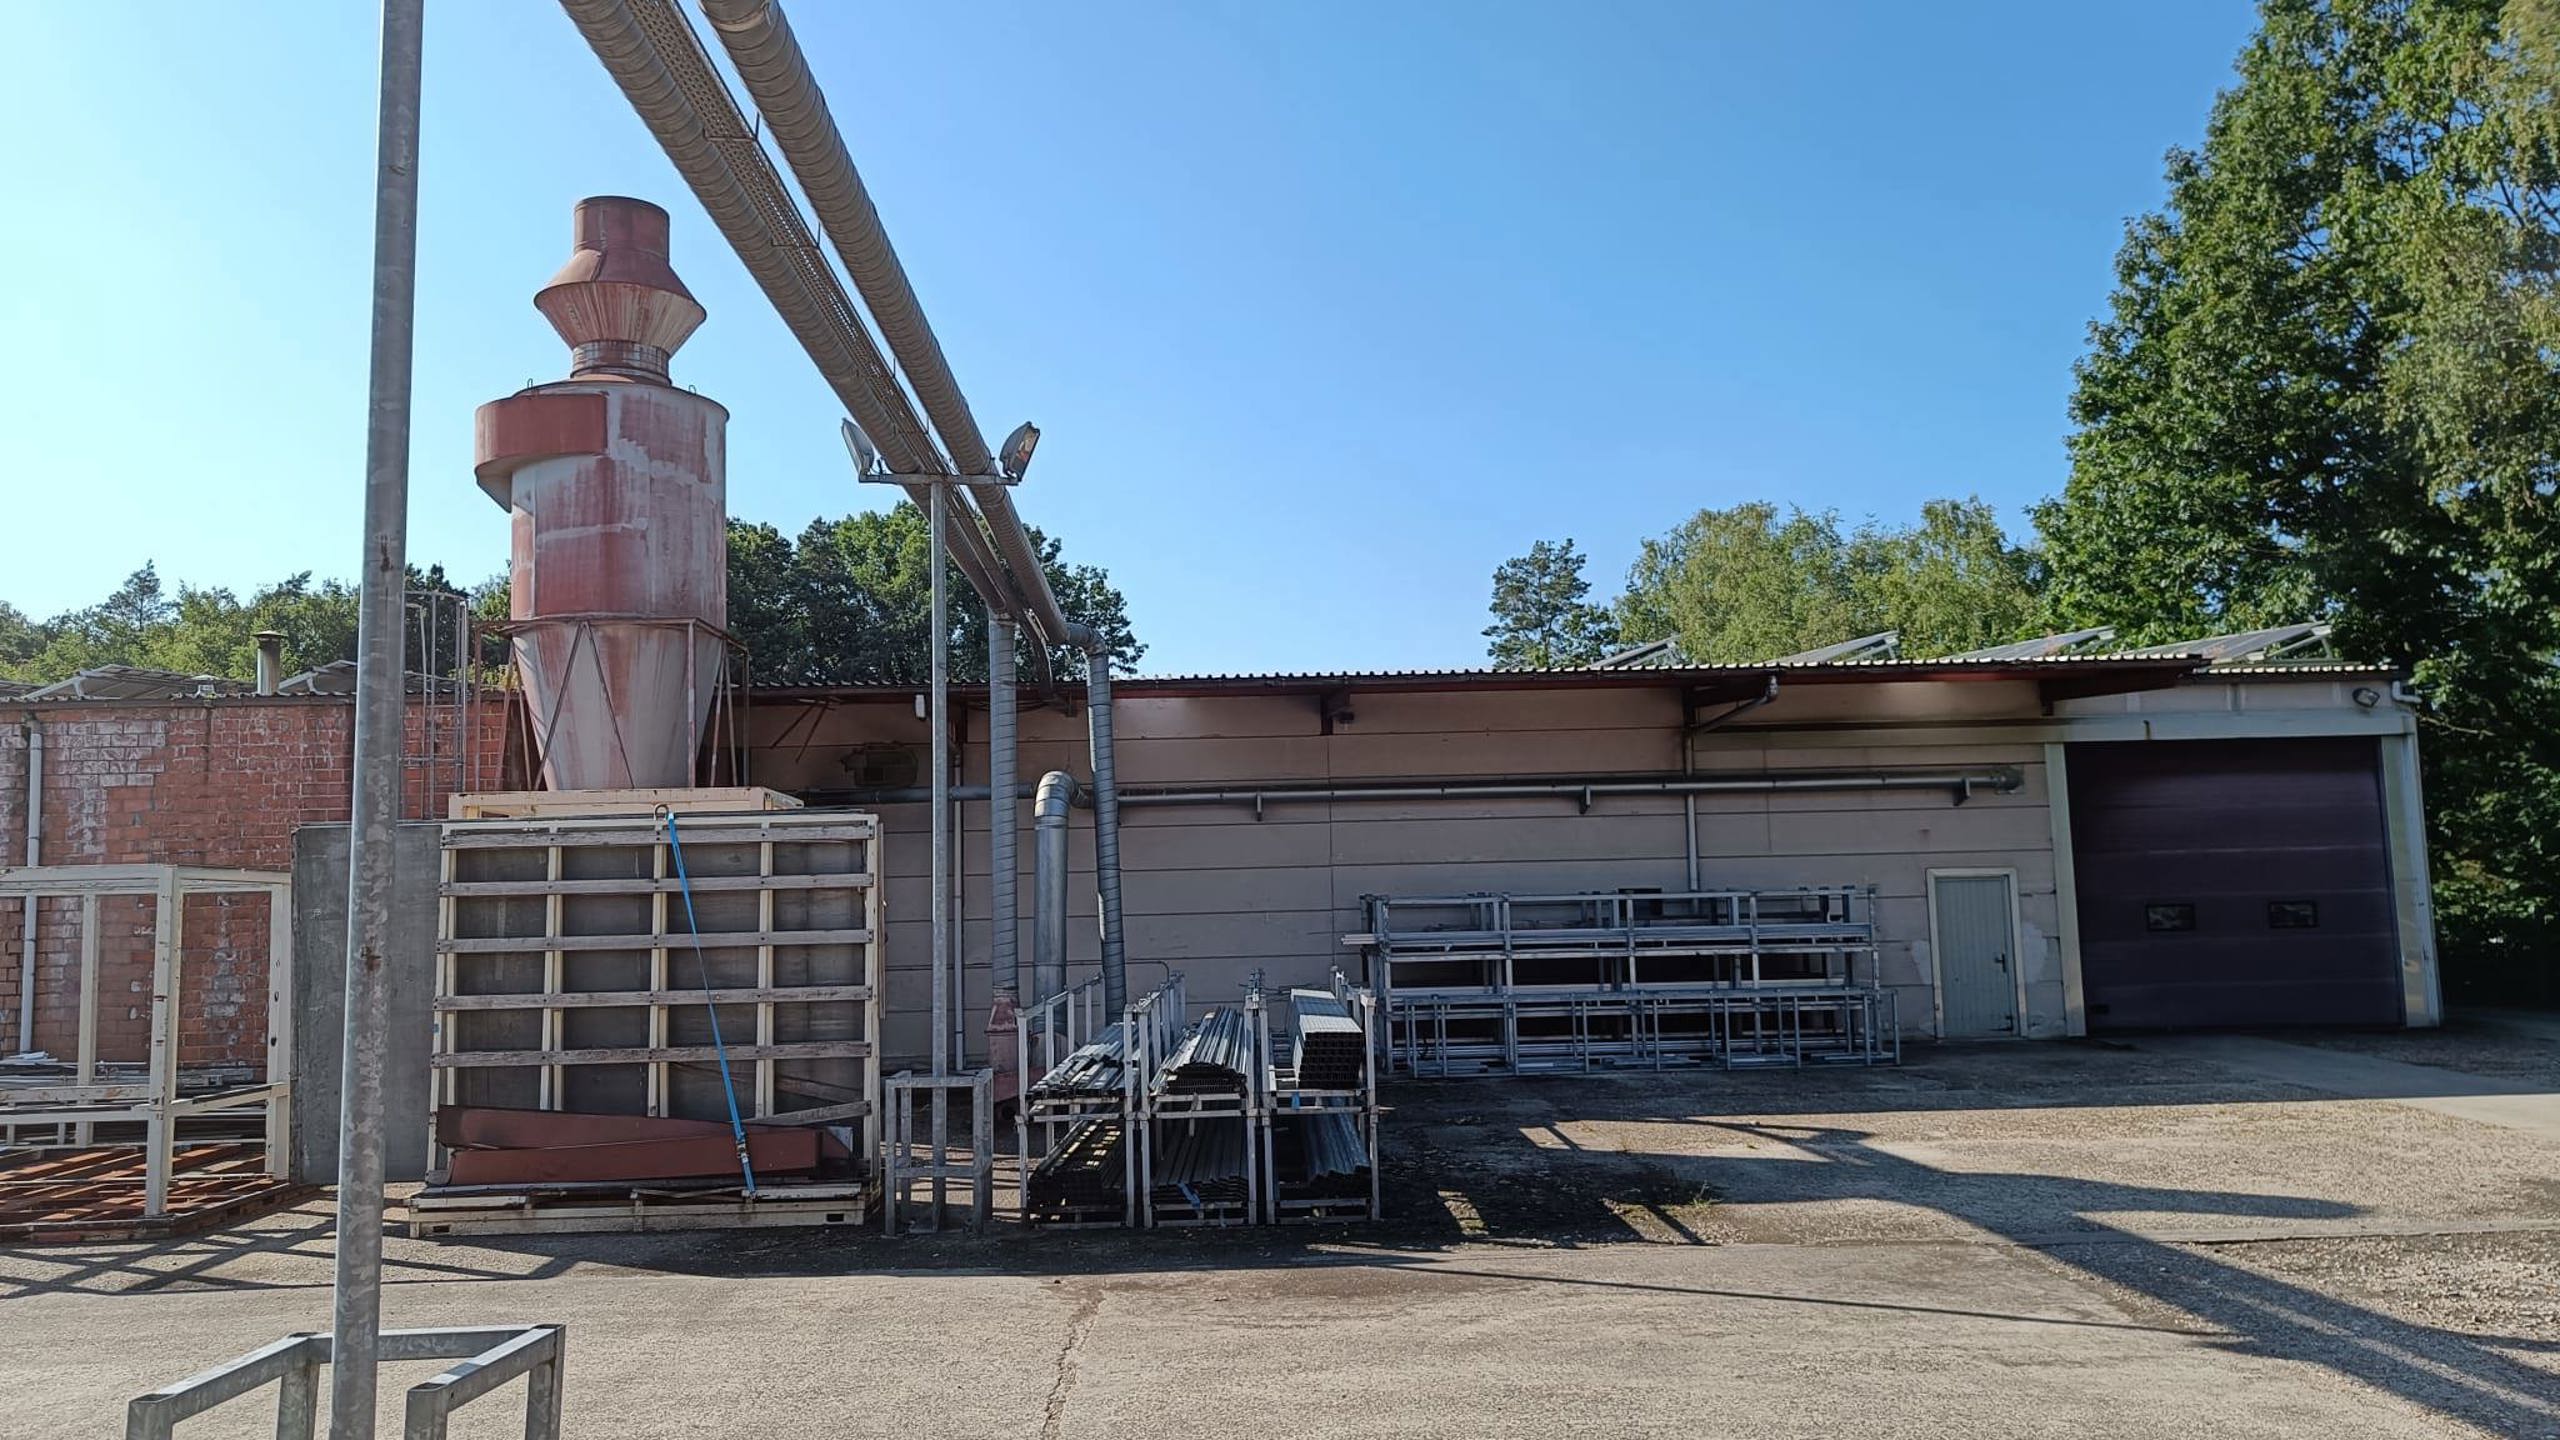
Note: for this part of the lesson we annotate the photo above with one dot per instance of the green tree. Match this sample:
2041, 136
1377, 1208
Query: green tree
1540, 618
2328, 386
21, 640
850, 603
1743, 584
1952, 583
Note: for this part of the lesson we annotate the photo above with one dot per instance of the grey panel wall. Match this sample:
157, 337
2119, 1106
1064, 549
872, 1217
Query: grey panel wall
1217, 894
319, 995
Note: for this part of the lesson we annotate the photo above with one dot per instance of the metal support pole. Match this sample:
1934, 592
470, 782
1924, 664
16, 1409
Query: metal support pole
1004, 811
356, 1316
33, 858
939, 717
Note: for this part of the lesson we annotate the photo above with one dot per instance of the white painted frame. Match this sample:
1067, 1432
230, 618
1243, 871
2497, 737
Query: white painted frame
1938, 950
157, 1103
2066, 892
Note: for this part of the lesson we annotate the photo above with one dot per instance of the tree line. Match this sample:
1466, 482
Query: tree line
847, 602
2326, 387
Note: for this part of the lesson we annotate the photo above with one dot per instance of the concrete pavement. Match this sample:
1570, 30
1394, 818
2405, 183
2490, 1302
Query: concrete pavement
2002, 1240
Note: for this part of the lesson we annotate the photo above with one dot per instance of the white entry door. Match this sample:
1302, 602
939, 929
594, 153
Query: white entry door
1973, 929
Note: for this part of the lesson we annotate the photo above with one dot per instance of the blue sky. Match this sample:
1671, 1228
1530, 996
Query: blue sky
1324, 308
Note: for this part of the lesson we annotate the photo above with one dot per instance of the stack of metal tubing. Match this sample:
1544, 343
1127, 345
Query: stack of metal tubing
1213, 1059
1083, 1172
1329, 1144
1200, 1162
1326, 1050
1092, 1072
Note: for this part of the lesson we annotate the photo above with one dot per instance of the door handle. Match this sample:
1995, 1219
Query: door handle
2001, 959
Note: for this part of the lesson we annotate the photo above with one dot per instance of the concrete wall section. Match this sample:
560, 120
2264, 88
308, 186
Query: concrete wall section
319, 999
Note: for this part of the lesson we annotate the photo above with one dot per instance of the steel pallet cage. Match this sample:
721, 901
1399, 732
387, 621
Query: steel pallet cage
1175, 1123
1058, 1111
1311, 1201
567, 976
1634, 979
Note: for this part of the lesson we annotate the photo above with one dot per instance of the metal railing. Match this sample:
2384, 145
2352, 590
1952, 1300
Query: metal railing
489, 1358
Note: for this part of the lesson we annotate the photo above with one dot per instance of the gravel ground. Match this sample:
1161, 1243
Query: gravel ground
2470, 1044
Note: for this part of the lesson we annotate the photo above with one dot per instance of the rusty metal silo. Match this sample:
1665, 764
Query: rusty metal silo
617, 484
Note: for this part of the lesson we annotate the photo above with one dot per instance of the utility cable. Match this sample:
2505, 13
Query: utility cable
702, 968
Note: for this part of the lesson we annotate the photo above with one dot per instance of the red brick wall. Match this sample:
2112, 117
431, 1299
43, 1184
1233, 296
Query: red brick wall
218, 783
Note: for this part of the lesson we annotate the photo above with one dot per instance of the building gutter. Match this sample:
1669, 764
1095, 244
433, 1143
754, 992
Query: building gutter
34, 732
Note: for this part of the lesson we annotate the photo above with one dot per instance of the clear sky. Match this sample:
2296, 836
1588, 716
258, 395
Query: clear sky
1325, 308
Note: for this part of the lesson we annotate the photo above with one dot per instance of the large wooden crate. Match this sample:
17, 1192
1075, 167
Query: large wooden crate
567, 977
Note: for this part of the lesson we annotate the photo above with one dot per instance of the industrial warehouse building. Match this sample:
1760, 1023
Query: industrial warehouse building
2167, 841
2178, 842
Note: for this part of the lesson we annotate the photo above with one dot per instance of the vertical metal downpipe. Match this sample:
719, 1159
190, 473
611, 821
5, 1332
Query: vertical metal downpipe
34, 856
381, 697
1106, 832
1004, 907
1050, 812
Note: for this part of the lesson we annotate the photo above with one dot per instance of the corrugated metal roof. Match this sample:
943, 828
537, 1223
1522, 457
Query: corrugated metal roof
132, 682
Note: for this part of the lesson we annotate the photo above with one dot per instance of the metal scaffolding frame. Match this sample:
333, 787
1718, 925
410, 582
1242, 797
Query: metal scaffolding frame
157, 1102
1628, 979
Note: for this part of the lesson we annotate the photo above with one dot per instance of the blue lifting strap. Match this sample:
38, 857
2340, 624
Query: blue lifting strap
702, 968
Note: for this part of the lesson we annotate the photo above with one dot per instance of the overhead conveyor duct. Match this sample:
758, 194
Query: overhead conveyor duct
651, 52
769, 60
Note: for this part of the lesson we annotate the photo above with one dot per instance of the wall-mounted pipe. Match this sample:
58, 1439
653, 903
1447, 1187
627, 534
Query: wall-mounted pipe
1996, 780
1106, 832
1690, 729
34, 734
1959, 783
1004, 909
1050, 812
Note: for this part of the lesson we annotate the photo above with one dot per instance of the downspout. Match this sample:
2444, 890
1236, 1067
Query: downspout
1106, 825
1004, 946
1690, 730
35, 856
1050, 812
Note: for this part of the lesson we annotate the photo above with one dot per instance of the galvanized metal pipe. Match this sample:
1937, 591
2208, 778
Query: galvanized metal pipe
1050, 812
776, 73
1106, 831
1004, 907
1999, 780
653, 55
34, 732
381, 697
1597, 787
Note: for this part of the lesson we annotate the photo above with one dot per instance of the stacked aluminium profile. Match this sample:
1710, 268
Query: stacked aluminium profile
1320, 1127
1199, 1162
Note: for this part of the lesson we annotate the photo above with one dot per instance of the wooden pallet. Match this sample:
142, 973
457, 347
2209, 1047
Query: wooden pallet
637, 1210
69, 1197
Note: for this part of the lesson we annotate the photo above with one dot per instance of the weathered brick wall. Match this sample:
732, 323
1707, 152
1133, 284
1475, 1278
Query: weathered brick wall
219, 783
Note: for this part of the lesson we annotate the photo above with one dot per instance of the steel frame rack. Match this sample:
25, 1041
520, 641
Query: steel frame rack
1051, 1030
103, 1093
1160, 1028
1488, 983
564, 963
1285, 1099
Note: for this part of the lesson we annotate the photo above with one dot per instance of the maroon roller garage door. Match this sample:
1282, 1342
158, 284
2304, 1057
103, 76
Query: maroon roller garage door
2238, 882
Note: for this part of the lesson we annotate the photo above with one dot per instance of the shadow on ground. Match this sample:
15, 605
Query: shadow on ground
1472, 1167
